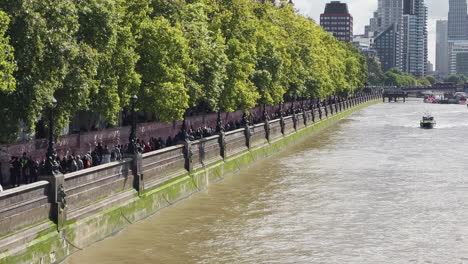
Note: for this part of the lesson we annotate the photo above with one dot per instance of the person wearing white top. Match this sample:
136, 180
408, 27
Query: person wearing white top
1, 188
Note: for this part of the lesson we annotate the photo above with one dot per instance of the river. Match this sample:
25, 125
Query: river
373, 188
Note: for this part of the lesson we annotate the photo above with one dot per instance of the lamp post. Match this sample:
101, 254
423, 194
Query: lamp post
293, 107
58, 210
219, 123
51, 153
266, 118
184, 130
132, 147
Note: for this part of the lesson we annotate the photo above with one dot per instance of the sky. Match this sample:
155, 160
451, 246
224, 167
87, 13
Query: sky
362, 11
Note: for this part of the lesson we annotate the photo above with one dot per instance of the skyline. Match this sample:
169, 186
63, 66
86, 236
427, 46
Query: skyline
362, 11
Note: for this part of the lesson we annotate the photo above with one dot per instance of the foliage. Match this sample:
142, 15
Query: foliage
456, 78
394, 77
424, 81
7, 62
431, 79
163, 65
213, 55
376, 75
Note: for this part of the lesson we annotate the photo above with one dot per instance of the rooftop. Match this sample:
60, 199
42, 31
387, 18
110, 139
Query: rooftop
336, 7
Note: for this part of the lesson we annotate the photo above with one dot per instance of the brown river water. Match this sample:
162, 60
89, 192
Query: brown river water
373, 188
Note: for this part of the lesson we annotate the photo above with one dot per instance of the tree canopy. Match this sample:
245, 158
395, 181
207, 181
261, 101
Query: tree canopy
393, 77
456, 78
221, 55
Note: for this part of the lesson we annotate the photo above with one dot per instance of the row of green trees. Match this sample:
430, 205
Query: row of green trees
395, 77
93, 55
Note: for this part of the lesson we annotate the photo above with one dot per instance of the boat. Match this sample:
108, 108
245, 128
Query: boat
427, 121
429, 99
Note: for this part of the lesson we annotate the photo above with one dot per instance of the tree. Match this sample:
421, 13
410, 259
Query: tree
431, 79
43, 36
269, 76
7, 83
163, 63
109, 36
394, 77
424, 81
7, 59
179, 54
206, 74
375, 76
456, 78
235, 20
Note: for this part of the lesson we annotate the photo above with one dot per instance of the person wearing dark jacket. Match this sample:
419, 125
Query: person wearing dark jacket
16, 169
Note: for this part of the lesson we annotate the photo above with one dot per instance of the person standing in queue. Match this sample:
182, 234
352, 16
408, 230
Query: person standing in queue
24, 171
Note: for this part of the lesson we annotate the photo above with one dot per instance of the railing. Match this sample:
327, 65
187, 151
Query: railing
24, 206
119, 181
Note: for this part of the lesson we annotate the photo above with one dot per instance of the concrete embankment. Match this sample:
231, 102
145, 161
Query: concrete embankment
37, 227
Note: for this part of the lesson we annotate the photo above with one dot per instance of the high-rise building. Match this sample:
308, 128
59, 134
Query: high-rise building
442, 47
337, 20
457, 20
388, 19
414, 40
408, 7
386, 46
458, 50
407, 21
462, 63
389, 12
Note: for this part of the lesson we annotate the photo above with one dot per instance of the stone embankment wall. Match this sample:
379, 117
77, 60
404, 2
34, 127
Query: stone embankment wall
87, 141
46, 221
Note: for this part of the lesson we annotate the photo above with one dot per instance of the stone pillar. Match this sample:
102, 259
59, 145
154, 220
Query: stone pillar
267, 129
222, 144
248, 135
304, 116
188, 155
57, 198
137, 169
294, 118
282, 124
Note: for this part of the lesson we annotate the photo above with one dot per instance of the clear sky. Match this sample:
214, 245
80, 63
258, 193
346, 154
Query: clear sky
362, 11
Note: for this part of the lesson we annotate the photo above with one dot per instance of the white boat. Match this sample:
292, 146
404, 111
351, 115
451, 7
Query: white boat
427, 122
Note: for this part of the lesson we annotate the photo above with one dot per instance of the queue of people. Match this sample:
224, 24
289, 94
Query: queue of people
25, 170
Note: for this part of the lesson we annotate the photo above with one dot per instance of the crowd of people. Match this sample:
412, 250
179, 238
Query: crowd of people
25, 170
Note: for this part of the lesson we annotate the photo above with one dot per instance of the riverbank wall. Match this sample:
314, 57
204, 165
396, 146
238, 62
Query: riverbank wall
49, 220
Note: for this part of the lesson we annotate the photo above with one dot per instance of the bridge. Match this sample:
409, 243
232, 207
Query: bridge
437, 88
394, 93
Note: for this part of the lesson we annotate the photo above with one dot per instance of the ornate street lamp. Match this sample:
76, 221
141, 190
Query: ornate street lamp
132, 147
51, 154
266, 117
184, 130
219, 123
293, 107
